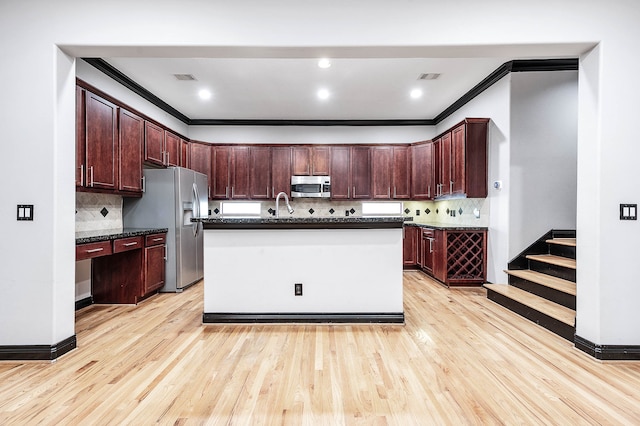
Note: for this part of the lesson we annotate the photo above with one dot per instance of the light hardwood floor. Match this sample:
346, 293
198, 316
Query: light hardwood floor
460, 359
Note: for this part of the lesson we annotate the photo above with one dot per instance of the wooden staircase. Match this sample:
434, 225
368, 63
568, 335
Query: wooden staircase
542, 283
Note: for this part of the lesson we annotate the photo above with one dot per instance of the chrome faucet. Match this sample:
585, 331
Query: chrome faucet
286, 200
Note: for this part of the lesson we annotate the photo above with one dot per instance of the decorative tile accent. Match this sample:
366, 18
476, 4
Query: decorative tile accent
352, 211
427, 211
332, 211
417, 212
437, 211
447, 211
311, 211
460, 210
271, 211
216, 210
98, 212
104, 212
406, 211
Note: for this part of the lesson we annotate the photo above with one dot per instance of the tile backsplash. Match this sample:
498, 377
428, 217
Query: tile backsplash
98, 211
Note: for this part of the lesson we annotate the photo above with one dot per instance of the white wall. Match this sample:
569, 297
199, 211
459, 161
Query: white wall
37, 106
543, 169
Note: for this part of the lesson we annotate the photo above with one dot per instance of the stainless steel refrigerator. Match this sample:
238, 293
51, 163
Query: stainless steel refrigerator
170, 199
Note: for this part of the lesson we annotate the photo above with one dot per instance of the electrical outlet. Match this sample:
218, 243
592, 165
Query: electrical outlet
297, 289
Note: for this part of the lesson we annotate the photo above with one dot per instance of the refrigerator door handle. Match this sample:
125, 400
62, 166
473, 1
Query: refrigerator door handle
196, 209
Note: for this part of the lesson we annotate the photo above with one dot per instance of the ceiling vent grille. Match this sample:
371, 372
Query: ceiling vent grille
428, 76
184, 77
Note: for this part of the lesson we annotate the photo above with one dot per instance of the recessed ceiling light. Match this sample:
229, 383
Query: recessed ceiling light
204, 94
324, 63
323, 94
416, 93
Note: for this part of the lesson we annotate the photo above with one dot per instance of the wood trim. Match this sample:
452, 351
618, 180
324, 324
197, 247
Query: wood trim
523, 65
37, 352
608, 352
386, 318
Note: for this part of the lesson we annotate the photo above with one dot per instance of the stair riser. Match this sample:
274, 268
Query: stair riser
564, 251
559, 297
553, 270
558, 327
563, 233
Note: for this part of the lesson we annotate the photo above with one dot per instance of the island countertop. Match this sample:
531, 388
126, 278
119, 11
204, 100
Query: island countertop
303, 223
447, 226
84, 237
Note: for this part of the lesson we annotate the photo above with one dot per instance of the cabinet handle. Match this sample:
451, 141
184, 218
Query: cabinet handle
95, 250
267, 192
168, 157
273, 192
450, 187
226, 192
208, 191
429, 191
81, 174
388, 192
232, 192
348, 192
354, 191
157, 239
135, 243
144, 184
395, 192
91, 172
165, 252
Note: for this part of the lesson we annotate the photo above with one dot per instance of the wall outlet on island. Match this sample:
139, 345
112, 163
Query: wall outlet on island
297, 289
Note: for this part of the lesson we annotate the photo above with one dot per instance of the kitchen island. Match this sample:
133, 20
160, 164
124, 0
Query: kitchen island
303, 270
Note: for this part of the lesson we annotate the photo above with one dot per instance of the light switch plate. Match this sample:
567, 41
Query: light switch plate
628, 212
25, 211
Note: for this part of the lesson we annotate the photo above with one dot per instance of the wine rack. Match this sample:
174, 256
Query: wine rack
466, 257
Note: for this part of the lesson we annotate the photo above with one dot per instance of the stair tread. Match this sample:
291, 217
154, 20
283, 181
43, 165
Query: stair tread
571, 242
540, 304
559, 284
554, 260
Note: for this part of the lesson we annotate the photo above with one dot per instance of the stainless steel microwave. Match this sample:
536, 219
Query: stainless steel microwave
310, 186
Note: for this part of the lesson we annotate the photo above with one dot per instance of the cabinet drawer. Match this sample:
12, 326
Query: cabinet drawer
91, 250
125, 244
428, 233
155, 239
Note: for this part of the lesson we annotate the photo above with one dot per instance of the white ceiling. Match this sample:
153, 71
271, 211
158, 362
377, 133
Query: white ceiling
285, 88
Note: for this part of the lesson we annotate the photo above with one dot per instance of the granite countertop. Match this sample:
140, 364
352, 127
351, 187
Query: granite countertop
448, 226
84, 237
303, 223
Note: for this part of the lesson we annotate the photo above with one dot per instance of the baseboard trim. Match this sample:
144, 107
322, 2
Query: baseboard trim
608, 352
37, 352
366, 318
83, 303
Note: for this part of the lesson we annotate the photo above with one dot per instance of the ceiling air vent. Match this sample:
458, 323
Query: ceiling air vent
184, 77
428, 76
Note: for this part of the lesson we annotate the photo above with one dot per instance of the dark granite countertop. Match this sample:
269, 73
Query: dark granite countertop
448, 227
85, 237
303, 223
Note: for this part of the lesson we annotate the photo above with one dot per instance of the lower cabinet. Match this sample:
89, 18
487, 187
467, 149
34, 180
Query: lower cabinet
453, 257
126, 270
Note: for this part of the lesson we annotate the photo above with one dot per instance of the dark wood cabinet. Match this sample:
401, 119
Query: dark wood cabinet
240, 170
427, 237
360, 172
439, 266
172, 148
200, 160
101, 143
131, 140
280, 170
422, 171
311, 161
154, 152
444, 176
259, 172
381, 172
185, 154
391, 172
80, 137
220, 172
340, 172
410, 246
154, 263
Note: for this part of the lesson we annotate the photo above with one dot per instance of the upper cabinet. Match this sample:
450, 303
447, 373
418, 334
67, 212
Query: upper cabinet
280, 170
310, 161
463, 159
422, 171
185, 154
131, 139
240, 166
154, 152
172, 148
340, 172
361, 172
260, 172
200, 161
391, 172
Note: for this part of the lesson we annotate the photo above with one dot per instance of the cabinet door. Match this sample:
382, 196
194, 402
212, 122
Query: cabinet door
172, 149
185, 154
80, 138
445, 164
458, 155
301, 160
101, 143
200, 156
427, 253
381, 171
221, 172
340, 176
154, 268
410, 246
360, 172
280, 170
401, 169
440, 255
130, 155
240, 172
260, 172
320, 160
154, 152
422, 172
